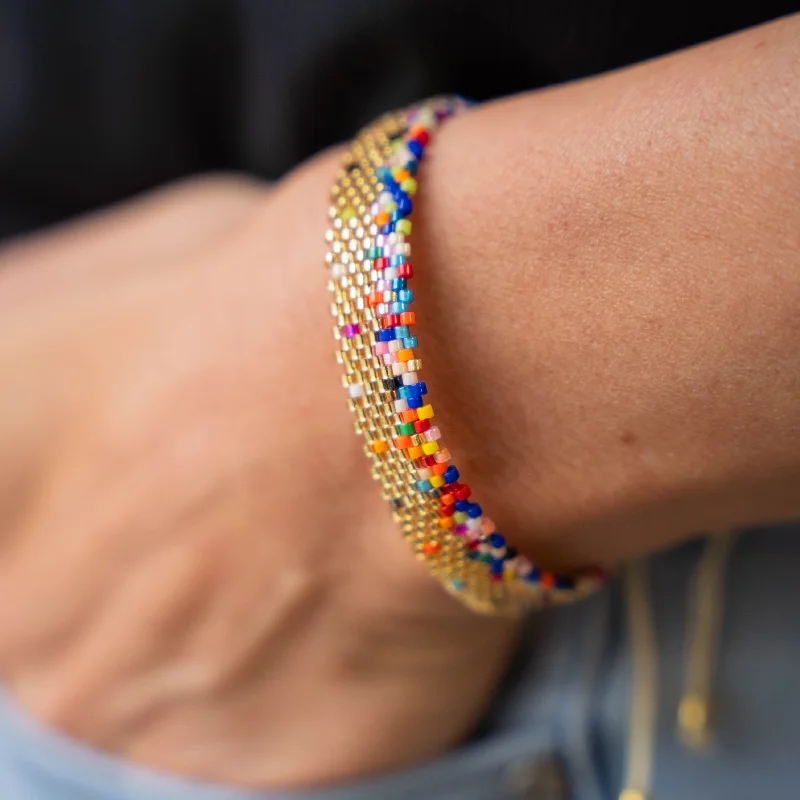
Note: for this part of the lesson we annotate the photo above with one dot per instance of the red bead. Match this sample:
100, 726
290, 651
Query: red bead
495, 578
463, 492
407, 318
422, 137
405, 271
422, 425
431, 548
447, 511
391, 320
426, 461
381, 263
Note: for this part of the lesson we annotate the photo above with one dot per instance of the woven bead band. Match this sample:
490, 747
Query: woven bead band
370, 268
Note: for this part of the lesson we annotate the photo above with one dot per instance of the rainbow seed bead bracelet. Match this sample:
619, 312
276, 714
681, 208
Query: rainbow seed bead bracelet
370, 269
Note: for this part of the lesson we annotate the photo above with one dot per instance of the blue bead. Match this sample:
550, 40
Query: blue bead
387, 229
413, 390
415, 402
534, 576
497, 540
397, 215
403, 393
496, 566
451, 475
457, 584
415, 148
462, 505
412, 166
386, 335
398, 284
399, 308
401, 331
564, 582
405, 206
397, 260
409, 342
405, 296
424, 486
422, 387
474, 555
383, 174
474, 510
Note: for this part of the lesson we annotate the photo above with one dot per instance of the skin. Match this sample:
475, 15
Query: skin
196, 571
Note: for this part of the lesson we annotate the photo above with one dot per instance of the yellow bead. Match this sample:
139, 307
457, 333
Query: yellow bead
403, 226
461, 516
429, 448
409, 186
425, 412
348, 213
436, 481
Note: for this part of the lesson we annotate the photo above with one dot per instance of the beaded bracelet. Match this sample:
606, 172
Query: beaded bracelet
369, 265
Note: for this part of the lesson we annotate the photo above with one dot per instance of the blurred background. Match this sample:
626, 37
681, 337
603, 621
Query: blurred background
101, 99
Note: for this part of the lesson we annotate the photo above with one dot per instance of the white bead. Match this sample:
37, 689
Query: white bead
409, 377
424, 473
338, 269
356, 390
398, 368
394, 346
400, 405
390, 273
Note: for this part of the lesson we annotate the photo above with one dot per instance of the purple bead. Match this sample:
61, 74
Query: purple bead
461, 529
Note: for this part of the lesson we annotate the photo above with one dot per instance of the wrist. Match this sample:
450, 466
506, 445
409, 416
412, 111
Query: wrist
627, 326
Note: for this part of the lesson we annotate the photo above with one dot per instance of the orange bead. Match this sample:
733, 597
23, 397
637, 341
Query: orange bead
383, 218
431, 548
548, 580
401, 175
407, 317
446, 523
402, 442
415, 452
379, 447
405, 355
447, 499
439, 469
409, 415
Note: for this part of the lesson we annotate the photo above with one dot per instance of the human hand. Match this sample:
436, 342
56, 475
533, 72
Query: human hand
196, 571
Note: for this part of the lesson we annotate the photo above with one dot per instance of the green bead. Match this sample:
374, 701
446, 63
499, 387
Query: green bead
406, 429
403, 226
409, 186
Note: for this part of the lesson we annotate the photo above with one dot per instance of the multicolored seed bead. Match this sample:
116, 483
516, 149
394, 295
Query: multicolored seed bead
369, 262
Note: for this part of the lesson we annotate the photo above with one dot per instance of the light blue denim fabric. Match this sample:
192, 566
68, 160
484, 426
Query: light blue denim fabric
559, 727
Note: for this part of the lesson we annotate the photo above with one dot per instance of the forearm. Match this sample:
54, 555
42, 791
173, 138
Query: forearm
618, 262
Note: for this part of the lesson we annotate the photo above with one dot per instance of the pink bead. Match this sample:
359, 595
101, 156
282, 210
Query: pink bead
432, 434
442, 456
487, 526
381, 348
389, 358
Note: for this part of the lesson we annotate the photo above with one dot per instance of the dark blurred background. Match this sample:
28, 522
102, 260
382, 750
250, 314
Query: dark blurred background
100, 99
